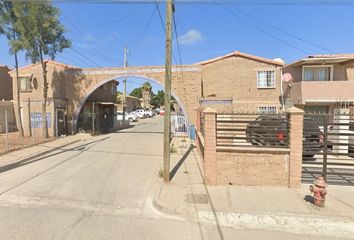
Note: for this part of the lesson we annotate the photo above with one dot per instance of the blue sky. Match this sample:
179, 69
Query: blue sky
100, 31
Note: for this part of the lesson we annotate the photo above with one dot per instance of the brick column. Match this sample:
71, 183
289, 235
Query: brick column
296, 122
210, 146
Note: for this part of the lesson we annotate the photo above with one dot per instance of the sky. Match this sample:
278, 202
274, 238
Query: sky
273, 29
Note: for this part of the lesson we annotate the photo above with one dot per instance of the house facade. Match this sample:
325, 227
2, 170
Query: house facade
5, 83
242, 82
321, 83
65, 87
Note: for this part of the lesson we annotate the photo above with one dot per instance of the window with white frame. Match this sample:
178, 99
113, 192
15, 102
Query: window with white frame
316, 73
267, 109
266, 79
25, 83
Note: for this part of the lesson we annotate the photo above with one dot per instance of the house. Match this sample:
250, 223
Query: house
69, 90
321, 83
241, 82
5, 83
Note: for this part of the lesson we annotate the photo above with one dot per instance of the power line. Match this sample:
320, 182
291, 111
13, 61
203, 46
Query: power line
262, 30
133, 12
284, 32
177, 41
163, 26
142, 35
230, 2
88, 59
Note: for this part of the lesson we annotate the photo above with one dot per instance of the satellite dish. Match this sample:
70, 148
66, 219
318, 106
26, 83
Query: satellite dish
287, 78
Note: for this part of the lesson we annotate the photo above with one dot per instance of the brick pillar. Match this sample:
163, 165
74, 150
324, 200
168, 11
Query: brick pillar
210, 146
296, 121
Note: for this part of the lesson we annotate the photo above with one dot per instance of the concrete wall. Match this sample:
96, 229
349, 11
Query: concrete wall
5, 84
236, 78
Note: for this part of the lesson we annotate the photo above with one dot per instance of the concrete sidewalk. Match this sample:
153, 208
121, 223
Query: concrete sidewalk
40, 149
262, 208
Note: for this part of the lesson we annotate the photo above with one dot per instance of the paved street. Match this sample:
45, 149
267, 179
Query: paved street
101, 188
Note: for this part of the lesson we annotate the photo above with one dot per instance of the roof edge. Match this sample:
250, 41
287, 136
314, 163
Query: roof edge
48, 62
241, 54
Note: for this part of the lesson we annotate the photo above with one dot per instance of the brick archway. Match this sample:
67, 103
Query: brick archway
97, 85
186, 87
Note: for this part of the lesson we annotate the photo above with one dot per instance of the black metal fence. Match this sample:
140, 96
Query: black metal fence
252, 130
328, 148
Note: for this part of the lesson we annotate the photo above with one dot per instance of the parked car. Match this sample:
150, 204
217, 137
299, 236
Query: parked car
140, 112
162, 112
128, 116
270, 130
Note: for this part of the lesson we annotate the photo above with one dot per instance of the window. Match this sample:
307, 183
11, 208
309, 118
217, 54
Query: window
317, 73
266, 79
25, 83
267, 109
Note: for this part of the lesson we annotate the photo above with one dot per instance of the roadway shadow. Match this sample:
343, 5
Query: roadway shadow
180, 162
44, 155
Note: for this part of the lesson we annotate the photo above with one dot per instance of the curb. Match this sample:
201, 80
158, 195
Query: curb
305, 224
18, 163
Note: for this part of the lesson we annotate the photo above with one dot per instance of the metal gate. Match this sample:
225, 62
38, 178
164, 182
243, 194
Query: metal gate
179, 126
328, 147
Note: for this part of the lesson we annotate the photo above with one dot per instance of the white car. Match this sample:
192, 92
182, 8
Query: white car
140, 112
128, 116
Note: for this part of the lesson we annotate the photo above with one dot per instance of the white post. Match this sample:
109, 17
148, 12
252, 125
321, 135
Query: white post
341, 117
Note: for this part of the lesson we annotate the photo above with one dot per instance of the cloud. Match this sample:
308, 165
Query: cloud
191, 37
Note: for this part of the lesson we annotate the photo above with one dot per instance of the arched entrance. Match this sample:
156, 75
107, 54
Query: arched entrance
101, 83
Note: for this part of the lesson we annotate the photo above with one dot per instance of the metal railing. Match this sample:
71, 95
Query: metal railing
179, 125
252, 130
328, 148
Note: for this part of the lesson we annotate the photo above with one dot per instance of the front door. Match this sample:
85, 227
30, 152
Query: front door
61, 122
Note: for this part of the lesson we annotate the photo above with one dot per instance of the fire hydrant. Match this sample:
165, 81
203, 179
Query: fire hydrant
319, 191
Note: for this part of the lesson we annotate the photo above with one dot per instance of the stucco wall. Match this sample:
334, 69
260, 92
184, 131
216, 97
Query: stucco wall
5, 84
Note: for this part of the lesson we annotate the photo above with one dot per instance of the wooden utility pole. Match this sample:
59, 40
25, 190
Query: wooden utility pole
167, 97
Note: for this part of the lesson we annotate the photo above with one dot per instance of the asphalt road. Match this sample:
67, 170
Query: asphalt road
100, 189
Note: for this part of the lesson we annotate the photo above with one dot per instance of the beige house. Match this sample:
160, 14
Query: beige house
242, 82
5, 84
321, 83
66, 88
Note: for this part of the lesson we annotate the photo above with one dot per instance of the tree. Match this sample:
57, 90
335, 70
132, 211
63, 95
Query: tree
136, 93
8, 28
41, 33
157, 100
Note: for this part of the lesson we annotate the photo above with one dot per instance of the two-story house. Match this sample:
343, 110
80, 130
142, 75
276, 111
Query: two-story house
321, 83
242, 82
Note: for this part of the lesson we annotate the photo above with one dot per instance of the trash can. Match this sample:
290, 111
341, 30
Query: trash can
192, 132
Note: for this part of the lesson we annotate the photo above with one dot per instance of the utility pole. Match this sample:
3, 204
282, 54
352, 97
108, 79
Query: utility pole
125, 81
167, 97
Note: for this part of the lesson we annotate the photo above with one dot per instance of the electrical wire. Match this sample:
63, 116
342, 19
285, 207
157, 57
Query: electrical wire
262, 30
284, 32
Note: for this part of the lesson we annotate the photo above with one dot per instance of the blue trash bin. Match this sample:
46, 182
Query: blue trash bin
192, 132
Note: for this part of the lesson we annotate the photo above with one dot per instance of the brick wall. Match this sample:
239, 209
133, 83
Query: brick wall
235, 77
249, 165
252, 169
